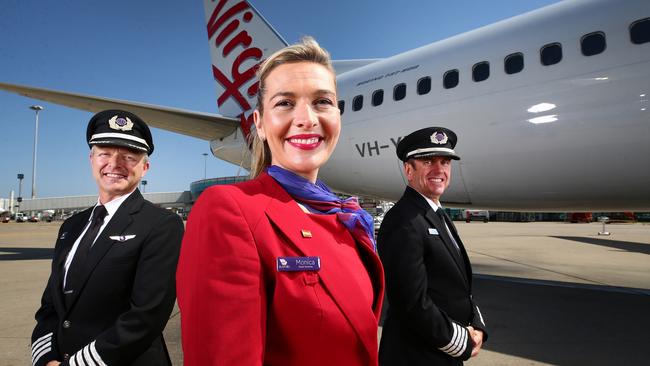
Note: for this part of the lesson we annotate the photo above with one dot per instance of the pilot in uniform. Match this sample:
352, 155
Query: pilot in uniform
112, 285
432, 318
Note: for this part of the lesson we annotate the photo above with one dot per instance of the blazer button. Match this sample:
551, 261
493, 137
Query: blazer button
66, 357
66, 324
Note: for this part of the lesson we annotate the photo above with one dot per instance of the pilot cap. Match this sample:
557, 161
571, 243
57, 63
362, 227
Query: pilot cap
115, 127
430, 141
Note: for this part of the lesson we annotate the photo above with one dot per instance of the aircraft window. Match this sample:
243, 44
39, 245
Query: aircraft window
342, 106
424, 85
513, 63
481, 71
399, 92
551, 54
377, 97
357, 103
640, 31
593, 43
450, 79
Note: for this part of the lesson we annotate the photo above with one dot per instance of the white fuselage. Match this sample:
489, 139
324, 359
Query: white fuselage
594, 155
569, 136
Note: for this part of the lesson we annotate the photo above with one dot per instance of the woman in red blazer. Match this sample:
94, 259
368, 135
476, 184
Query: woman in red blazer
278, 270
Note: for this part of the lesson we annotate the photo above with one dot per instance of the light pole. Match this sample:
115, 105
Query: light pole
36, 108
144, 186
205, 165
20, 189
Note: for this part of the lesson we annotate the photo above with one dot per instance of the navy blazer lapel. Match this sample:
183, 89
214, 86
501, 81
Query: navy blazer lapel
72, 228
440, 225
119, 222
287, 216
461, 246
70, 233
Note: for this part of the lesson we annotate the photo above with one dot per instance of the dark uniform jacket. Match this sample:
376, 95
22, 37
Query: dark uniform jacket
118, 315
429, 288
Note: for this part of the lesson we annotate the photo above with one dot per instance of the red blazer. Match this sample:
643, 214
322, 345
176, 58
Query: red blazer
237, 309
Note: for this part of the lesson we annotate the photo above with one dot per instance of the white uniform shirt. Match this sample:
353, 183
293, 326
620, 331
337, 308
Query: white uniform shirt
111, 208
435, 208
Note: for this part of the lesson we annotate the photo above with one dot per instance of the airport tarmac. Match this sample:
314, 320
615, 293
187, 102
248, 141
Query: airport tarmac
551, 293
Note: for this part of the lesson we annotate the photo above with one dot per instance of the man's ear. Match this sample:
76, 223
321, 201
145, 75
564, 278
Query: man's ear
145, 169
408, 170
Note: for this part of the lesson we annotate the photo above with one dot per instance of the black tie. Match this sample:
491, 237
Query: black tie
445, 218
443, 215
75, 272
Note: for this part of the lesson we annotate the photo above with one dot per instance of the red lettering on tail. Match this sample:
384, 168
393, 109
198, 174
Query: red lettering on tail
226, 32
232, 84
213, 26
232, 87
240, 39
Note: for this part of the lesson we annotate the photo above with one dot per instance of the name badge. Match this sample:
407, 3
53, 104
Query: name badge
291, 264
433, 231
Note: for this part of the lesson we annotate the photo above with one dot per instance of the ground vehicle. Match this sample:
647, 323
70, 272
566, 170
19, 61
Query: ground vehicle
21, 217
377, 222
47, 215
476, 215
580, 217
6, 219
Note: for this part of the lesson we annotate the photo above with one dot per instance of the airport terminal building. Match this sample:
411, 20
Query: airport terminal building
181, 202
62, 207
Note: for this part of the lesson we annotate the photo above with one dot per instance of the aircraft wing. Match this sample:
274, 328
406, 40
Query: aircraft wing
206, 126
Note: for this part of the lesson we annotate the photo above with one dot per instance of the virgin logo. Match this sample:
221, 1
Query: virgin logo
227, 19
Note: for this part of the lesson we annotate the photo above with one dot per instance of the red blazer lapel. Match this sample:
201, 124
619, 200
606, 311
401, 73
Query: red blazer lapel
376, 272
287, 217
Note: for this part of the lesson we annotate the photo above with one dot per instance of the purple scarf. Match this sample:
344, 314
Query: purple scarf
319, 199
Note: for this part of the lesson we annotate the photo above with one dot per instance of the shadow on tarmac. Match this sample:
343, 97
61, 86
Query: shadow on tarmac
565, 323
628, 246
19, 254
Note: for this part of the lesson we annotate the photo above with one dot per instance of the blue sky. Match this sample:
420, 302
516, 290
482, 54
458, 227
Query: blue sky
157, 52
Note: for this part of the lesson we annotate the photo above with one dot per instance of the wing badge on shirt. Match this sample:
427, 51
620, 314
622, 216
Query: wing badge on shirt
121, 238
